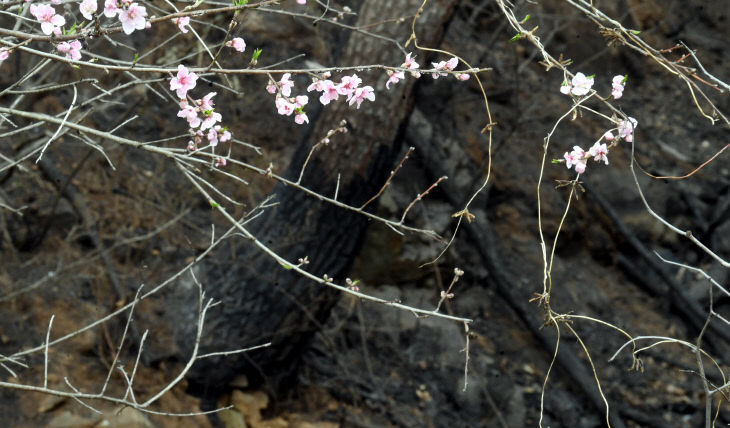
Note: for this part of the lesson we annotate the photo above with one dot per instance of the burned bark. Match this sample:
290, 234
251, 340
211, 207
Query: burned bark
262, 302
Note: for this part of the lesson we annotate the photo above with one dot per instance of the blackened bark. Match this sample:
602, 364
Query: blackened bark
263, 302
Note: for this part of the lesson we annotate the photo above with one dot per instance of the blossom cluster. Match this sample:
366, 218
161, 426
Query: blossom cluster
286, 105
72, 49
396, 76
442, 68
581, 84
131, 15
203, 120
349, 87
449, 65
599, 151
625, 131
578, 157
199, 113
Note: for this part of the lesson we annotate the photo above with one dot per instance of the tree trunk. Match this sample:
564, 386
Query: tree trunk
263, 302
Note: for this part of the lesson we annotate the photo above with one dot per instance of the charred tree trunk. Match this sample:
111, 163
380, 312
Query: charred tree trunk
263, 302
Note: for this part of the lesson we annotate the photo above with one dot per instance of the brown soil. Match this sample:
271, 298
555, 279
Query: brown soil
371, 365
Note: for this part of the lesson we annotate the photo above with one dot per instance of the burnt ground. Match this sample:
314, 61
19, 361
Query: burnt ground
371, 365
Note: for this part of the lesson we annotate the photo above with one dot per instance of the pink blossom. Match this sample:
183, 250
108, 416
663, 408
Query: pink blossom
302, 1
87, 8
570, 160
412, 65
217, 135
599, 152
301, 100
71, 49
220, 162
223, 135
190, 114
182, 23
111, 9
211, 117
299, 103
46, 15
301, 117
394, 78
184, 81
579, 85
449, 65
197, 139
329, 92
608, 136
626, 129
237, 43
213, 137
410, 62
4, 54
132, 18
286, 84
361, 94
348, 84
317, 85
578, 152
438, 66
463, 76
207, 102
618, 86
287, 106
565, 88
576, 158
284, 107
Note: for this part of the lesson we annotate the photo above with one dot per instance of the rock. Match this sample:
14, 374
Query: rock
231, 419
278, 422
240, 381
126, 418
303, 424
67, 419
50, 402
250, 404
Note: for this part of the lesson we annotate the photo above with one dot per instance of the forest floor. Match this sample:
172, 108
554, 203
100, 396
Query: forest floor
371, 365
